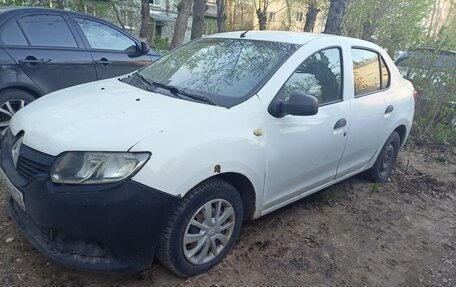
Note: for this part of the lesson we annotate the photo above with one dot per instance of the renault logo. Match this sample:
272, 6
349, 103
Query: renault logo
15, 150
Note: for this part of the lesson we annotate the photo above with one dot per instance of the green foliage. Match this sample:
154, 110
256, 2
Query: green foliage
161, 44
435, 113
393, 24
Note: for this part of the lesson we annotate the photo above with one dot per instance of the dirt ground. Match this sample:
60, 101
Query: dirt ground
399, 233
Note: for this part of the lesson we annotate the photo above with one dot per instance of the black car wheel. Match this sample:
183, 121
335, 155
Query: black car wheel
202, 229
11, 101
386, 159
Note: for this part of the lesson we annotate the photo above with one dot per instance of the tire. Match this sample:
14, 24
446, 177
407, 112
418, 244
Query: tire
386, 159
11, 101
177, 256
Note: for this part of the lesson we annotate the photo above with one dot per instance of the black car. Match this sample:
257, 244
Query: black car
433, 73
44, 50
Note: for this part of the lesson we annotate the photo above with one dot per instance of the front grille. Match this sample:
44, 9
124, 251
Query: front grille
28, 168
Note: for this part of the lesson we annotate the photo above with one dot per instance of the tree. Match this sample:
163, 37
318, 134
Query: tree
199, 7
221, 15
393, 24
335, 14
144, 31
183, 12
262, 13
311, 16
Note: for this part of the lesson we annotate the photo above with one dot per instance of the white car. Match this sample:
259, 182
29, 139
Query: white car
170, 160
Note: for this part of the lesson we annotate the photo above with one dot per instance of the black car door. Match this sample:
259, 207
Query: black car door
114, 52
54, 56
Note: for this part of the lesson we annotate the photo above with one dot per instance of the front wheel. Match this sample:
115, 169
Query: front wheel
386, 159
11, 101
202, 229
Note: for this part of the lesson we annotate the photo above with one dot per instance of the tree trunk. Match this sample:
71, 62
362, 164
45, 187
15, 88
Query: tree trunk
180, 27
262, 19
334, 20
199, 7
221, 15
61, 4
117, 14
311, 17
289, 10
144, 31
368, 31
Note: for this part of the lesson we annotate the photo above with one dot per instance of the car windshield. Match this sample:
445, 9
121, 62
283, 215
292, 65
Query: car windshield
223, 71
427, 60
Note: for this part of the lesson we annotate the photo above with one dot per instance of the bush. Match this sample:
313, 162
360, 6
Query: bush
161, 44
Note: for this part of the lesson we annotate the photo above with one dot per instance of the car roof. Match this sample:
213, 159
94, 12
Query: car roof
6, 12
274, 36
299, 38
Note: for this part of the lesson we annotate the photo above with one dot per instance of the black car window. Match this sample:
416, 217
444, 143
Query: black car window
47, 31
427, 60
366, 72
13, 36
101, 36
320, 75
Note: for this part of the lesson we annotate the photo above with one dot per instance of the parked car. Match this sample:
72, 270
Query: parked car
44, 50
170, 160
433, 73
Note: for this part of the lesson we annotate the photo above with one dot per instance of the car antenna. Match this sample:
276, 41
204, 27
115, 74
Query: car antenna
243, 33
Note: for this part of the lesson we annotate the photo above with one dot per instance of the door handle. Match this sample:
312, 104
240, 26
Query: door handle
33, 61
103, 62
389, 109
340, 124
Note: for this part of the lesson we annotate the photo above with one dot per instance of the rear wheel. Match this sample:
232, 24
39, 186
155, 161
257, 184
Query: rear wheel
202, 229
386, 159
11, 101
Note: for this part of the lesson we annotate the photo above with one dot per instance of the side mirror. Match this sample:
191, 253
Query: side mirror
142, 48
299, 104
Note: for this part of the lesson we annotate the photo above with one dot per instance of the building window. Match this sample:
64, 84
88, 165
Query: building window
127, 18
272, 16
299, 16
154, 2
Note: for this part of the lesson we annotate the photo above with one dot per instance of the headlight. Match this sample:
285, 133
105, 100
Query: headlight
96, 167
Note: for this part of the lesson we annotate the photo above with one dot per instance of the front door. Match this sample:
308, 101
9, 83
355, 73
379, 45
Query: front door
49, 53
114, 52
304, 151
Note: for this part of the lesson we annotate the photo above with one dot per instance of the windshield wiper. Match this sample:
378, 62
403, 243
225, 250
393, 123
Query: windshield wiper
176, 91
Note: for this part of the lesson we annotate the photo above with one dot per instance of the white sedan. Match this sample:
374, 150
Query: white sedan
170, 160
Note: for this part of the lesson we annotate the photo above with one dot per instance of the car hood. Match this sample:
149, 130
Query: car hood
106, 115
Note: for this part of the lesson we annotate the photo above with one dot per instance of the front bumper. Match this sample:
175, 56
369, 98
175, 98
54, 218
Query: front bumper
103, 228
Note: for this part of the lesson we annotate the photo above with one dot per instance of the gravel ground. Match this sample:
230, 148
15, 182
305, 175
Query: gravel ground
399, 233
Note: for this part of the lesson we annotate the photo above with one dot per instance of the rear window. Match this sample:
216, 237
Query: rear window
427, 60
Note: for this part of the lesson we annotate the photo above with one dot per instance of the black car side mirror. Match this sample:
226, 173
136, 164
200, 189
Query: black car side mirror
299, 104
142, 48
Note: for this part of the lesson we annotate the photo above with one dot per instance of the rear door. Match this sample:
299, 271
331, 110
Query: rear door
114, 52
372, 108
53, 55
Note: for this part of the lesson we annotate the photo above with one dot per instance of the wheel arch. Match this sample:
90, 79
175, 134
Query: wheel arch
402, 131
36, 94
245, 188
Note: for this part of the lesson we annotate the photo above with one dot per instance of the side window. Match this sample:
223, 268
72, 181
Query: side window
320, 75
103, 37
47, 31
366, 71
385, 75
13, 36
